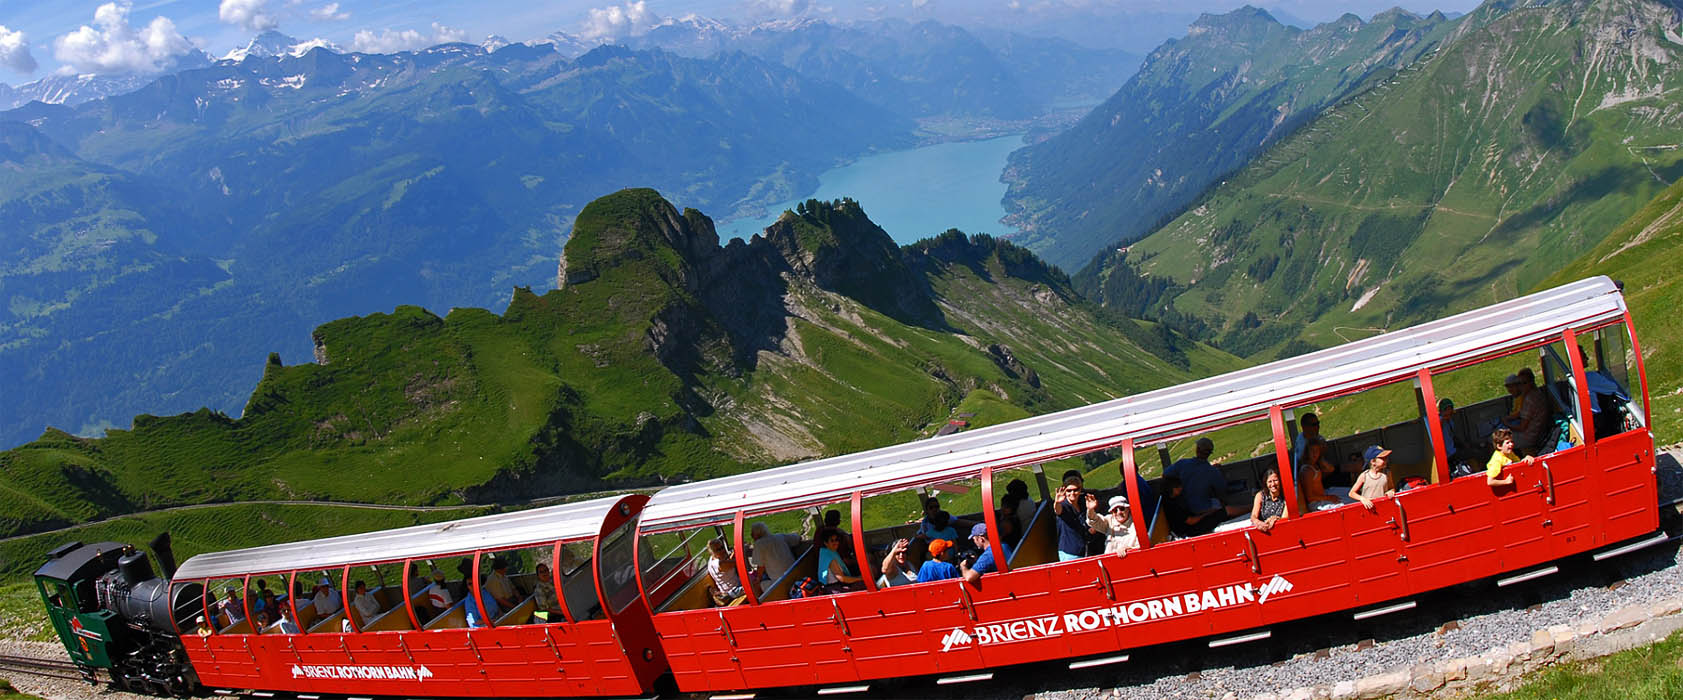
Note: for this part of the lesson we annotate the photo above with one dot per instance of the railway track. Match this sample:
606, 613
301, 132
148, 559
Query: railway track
46, 668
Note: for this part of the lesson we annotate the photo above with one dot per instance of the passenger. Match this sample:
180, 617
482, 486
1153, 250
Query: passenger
546, 606
569, 561
985, 563
232, 605
1025, 505
1202, 485
287, 625
1310, 472
1117, 525
1530, 418
896, 570
940, 566
1072, 525
1008, 512
938, 527
1606, 396
365, 602
475, 619
326, 601
1009, 535
832, 521
1376, 481
465, 568
1502, 440
772, 555
499, 587
438, 595
931, 506
203, 627
1309, 429
271, 610
1269, 506
1452, 447
832, 568
722, 567
1183, 522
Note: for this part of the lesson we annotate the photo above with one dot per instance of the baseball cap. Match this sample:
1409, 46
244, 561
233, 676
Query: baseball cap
1512, 380
981, 530
323, 582
1374, 452
936, 547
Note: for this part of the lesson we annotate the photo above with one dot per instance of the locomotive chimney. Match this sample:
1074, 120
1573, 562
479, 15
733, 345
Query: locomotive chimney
166, 555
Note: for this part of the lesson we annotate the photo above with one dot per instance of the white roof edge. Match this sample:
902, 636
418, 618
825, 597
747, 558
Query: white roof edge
1389, 357
534, 527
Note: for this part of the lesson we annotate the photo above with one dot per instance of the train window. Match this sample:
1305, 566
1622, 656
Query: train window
512, 586
267, 596
226, 599
782, 548
1476, 400
617, 568
1606, 356
319, 602
442, 602
675, 568
578, 581
187, 607
1391, 416
375, 590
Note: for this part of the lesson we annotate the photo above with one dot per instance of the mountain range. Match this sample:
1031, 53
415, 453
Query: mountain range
1469, 176
663, 356
176, 233
1200, 107
306, 188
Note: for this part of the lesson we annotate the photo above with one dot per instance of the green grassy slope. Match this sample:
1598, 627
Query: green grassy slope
664, 356
1466, 179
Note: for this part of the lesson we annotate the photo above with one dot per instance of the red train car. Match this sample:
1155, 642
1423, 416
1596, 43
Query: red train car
418, 632
1593, 487
607, 597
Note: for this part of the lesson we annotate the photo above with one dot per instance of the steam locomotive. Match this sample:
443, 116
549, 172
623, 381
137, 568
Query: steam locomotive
113, 613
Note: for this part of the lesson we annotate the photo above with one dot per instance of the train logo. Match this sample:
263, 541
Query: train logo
1278, 584
1047, 626
957, 637
373, 673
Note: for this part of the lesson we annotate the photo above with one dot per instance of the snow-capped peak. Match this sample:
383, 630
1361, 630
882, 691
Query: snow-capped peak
271, 44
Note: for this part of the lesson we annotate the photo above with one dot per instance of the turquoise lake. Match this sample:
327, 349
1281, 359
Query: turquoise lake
916, 193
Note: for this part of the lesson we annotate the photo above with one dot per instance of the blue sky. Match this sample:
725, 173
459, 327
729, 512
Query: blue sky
38, 37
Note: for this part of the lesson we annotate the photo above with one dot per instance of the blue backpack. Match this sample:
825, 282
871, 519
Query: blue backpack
806, 587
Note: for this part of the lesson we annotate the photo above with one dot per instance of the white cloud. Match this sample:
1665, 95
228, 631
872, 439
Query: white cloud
111, 45
329, 13
618, 22
253, 15
391, 41
780, 8
14, 51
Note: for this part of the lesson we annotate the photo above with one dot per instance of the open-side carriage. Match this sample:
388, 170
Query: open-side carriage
421, 635
1592, 488
604, 597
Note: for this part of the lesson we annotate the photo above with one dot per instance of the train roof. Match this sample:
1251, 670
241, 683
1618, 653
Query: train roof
1149, 417
70, 561
537, 526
